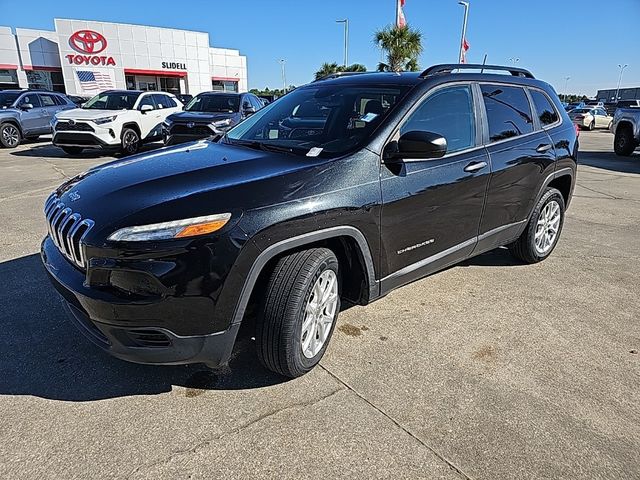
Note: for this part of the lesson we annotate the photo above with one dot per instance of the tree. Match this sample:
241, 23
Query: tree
331, 68
403, 46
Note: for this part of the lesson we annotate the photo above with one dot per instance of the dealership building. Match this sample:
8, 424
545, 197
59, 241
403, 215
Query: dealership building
85, 57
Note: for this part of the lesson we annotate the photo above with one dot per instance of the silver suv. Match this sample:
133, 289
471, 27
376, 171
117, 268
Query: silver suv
28, 114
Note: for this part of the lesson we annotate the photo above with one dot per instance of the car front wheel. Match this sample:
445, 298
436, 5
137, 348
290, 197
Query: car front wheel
130, 141
299, 311
9, 135
541, 235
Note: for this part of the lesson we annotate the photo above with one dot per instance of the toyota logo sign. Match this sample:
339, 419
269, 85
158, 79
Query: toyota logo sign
88, 41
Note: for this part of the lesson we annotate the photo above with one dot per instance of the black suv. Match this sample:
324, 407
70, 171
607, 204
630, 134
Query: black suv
209, 114
333, 195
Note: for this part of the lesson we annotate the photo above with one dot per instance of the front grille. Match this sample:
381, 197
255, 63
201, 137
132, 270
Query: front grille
65, 138
180, 129
149, 338
67, 230
74, 127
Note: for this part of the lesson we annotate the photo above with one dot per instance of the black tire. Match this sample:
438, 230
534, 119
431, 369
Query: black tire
592, 125
623, 142
279, 332
129, 141
10, 136
72, 150
524, 248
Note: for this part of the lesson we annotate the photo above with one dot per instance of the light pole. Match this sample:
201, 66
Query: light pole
346, 39
514, 60
621, 67
566, 80
464, 29
284, 77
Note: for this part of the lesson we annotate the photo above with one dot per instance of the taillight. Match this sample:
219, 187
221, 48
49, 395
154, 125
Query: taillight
577, 130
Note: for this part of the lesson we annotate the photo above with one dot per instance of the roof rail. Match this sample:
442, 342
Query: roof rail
338, 75
449, 67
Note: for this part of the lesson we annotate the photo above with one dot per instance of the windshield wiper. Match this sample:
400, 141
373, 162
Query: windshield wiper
267, 147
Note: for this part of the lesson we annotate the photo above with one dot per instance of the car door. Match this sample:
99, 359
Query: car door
150, 121
50, 107
33, 121
432, 208
521, 155
602, 119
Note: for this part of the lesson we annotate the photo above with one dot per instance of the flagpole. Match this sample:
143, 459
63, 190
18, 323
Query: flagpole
464, 29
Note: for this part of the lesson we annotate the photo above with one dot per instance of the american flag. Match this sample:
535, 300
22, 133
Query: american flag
90, 80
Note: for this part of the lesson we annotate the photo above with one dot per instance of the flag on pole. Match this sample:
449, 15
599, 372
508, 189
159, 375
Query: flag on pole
465, 47
401, 22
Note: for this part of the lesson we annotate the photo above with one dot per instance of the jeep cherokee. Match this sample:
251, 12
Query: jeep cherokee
335, 194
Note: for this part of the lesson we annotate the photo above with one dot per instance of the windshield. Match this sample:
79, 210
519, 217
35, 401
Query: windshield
325, 120
7, 99
214, 103
112, 101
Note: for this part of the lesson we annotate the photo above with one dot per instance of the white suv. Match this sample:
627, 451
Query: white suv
115, 119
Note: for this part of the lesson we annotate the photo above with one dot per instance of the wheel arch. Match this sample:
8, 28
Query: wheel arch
133, 126
564, 178
13, 121
348, 243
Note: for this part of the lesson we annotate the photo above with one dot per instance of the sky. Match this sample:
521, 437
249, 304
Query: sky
581, 39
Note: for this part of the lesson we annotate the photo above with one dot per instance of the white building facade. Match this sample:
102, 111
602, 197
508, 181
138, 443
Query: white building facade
86, 57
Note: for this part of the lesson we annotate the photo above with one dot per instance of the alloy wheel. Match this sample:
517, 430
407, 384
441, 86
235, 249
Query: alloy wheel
547, 227
130, 141
319, 313
10, 135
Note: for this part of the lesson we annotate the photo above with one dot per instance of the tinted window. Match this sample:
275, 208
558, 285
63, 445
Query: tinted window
546, 113
7, 99
164, 101
47, 100
508, 111
448, 112
31, 98
255, 102
214, 103
112, 101
60, 100
147, 100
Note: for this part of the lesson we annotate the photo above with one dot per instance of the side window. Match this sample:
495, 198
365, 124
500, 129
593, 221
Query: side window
545, 110
31, 98
147, 100
245, 102
47, 100
169, 102
448, 112
602, 112
254, 102
508, 111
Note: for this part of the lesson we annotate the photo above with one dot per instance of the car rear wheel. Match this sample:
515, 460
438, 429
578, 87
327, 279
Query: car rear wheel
9, 135
543, 230
72, 150
130, 141
299, 311
623, 142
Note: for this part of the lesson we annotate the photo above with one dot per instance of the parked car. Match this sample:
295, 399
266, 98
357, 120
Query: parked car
27, 114
573, 106
160, 258
591, 118
184, 97
626, 130
116, 119
209, 114
78, 100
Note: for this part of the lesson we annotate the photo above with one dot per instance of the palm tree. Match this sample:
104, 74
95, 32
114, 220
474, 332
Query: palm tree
330, 68
403, 46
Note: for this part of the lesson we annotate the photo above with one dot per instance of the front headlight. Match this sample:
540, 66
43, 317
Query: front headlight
222, 123
188, 227
101, 120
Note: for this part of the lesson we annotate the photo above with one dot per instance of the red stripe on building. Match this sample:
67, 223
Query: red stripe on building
161, 73
8, 66
226, 79
41, 67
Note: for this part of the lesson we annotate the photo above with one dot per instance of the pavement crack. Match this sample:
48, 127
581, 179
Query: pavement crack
234, 431
613, 197
58, 170
441, 456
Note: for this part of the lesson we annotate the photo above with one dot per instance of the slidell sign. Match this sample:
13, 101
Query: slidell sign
89, 44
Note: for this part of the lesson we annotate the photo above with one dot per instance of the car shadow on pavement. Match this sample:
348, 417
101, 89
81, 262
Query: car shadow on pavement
48, 150
44, 355
498, 257
610, 161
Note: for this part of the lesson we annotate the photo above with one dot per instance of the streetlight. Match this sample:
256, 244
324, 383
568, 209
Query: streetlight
284, 77
346, 39
464, 29
514, 60
566, 80
621, 67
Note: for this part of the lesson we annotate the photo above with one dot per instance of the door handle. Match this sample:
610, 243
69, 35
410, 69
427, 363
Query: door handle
543, 148
475, 166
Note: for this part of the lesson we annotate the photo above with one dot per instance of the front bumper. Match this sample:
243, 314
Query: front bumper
181, 133
138, 329
101, 137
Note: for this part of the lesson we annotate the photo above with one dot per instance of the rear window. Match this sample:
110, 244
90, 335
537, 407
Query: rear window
544, 109
508, 111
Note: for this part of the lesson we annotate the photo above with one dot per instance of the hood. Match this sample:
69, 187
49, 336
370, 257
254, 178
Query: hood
80, 114
189, 180
200, 117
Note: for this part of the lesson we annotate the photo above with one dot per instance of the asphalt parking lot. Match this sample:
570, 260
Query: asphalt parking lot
488, 370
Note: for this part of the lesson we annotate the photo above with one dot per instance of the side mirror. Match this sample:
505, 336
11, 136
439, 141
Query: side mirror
416, 145
249, 110
26, 106
146, 108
